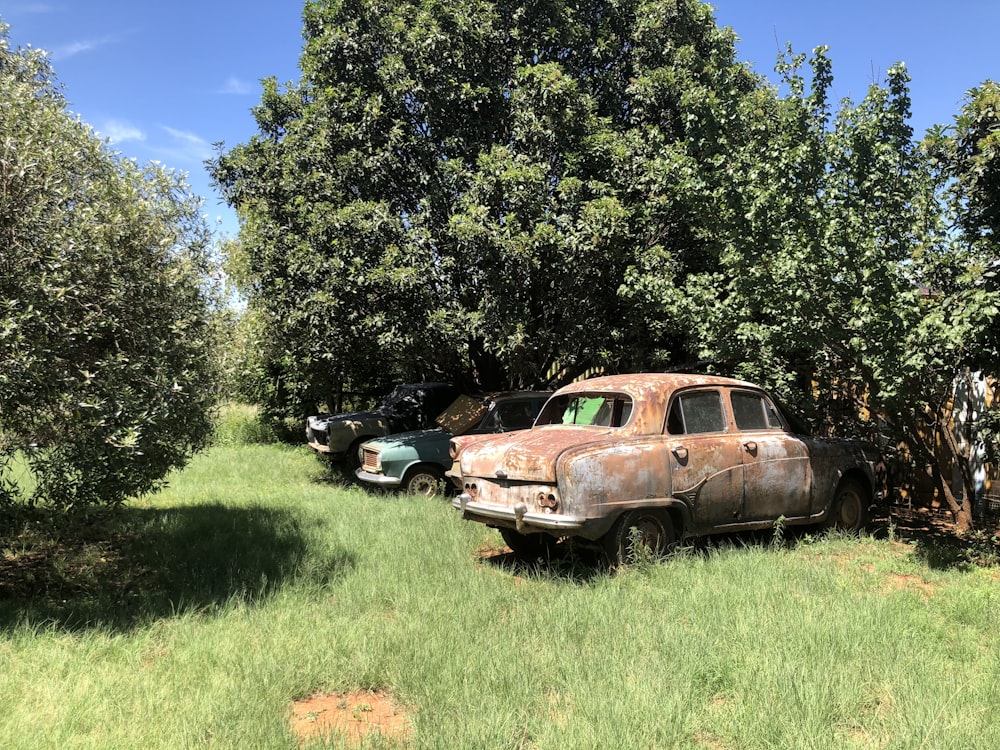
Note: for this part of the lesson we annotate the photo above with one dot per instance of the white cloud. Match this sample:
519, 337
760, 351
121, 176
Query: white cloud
234, 85
31, 8
185, 147
75, 48
118, 131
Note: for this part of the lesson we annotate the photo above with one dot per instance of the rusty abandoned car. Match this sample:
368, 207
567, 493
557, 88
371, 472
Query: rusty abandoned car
652, 459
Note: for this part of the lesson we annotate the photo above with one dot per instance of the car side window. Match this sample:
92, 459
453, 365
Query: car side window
753, 412
696, 412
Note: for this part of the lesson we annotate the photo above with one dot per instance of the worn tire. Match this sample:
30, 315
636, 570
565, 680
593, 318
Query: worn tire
424, 480
652, 528
851, 507
528, 546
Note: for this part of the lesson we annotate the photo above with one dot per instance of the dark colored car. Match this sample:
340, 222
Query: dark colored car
653, 458
408, 407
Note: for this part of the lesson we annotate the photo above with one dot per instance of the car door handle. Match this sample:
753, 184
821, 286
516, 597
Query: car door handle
751, 447
680, 453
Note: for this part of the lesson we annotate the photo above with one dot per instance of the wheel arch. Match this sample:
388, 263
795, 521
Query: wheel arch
351, 454
856, 474
675, 508
429, 467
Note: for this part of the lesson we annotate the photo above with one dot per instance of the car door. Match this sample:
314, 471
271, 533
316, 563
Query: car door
705, 458
777, 478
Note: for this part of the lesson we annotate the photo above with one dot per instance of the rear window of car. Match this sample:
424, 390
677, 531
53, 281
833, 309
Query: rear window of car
593, 409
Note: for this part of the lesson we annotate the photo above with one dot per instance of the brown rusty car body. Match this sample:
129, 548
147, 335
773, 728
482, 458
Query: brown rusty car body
655, 458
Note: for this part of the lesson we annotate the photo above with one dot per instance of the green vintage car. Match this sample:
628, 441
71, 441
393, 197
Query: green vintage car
416, 461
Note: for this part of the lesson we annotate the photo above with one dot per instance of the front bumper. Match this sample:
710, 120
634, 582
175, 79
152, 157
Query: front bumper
319, 447
378, 479
517, 517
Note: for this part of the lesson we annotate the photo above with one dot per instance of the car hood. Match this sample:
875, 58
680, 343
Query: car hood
415, 439
527, 455
372, 415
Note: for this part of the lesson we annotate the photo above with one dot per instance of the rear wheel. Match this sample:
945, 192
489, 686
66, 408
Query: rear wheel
423, 480
638, 535
851, 507
528, 546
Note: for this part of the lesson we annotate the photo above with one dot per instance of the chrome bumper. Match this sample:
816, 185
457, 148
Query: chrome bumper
380, 479
518, 515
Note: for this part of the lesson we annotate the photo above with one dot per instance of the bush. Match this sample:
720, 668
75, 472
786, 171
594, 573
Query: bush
107, 376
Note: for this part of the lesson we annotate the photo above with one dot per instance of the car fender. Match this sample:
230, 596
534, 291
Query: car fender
610, 476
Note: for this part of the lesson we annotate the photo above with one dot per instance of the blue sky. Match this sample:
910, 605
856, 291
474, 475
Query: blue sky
164, 81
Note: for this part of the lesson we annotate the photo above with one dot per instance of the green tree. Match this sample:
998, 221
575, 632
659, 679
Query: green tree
515, 187
965, 158
847, 291
105, 373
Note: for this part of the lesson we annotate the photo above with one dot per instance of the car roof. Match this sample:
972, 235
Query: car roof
644, 381
511, 395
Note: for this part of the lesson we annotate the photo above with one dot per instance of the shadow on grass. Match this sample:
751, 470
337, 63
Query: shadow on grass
938, 545
933, 541
138, 565
566, 561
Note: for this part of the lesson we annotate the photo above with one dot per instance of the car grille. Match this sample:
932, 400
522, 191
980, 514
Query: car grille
318, 436
369, 459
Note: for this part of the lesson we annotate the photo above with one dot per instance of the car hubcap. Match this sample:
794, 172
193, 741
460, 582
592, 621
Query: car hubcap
646, 533
849, 510
423, 484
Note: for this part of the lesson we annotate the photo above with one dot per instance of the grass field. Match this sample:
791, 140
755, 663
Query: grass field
200, 616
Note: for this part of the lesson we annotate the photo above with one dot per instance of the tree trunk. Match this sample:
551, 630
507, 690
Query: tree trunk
922, 443
963, 513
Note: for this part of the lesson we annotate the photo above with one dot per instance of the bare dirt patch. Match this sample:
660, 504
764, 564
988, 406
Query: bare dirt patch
901, 582
353, 716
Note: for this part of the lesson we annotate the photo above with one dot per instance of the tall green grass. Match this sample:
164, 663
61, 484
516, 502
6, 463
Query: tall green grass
256, 579
242, 424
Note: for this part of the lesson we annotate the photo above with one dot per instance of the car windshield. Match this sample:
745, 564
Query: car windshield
595, 409
399, 397
504, 416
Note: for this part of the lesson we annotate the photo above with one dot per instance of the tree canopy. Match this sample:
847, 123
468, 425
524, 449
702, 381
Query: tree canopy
527, 189
106, 373
852, 287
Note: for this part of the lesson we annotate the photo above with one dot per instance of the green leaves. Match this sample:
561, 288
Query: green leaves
526, 158
104, 301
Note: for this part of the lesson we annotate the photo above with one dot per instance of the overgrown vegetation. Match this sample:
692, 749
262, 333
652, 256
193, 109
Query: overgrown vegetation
248, 584
527, 189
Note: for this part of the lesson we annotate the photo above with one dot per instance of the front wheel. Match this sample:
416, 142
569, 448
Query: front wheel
850, 510
423, 480
638, 535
